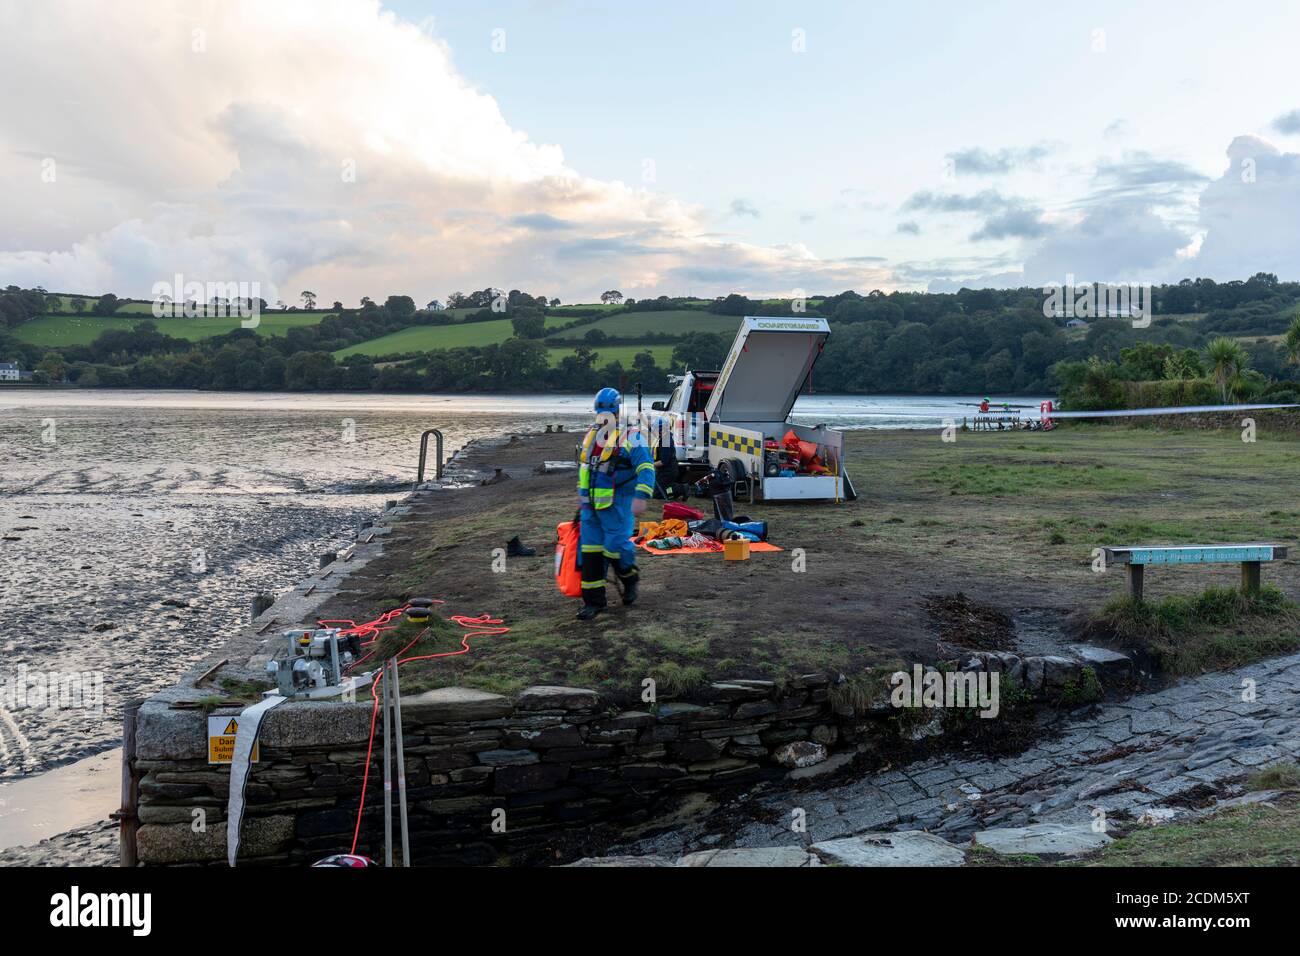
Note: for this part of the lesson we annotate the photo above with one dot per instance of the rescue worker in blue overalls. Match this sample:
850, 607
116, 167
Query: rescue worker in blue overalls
616, 475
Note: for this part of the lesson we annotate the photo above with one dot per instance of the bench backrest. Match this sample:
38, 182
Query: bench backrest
1195, 554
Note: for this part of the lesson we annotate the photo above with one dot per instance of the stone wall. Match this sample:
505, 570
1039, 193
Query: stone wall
552, 765
550, 758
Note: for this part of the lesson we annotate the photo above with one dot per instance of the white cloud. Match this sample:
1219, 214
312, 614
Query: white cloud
233, 162
1249, 214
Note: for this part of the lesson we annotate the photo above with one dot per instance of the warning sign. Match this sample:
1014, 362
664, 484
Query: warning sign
221, 739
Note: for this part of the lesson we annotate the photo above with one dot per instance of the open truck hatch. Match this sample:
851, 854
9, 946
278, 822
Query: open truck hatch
745, 422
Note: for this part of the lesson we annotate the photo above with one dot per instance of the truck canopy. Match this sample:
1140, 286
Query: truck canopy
768, 363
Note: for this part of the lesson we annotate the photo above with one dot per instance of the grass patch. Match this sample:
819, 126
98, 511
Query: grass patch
424, 338
1252, 835
1218, 628
1283, 776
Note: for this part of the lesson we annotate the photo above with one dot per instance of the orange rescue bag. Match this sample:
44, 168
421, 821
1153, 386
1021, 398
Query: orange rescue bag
568, 560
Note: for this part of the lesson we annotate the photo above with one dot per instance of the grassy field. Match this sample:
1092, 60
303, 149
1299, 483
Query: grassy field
423, 338
677, 322
54, 330
1010, 519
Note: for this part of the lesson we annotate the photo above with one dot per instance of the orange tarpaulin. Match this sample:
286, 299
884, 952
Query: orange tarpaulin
753, 546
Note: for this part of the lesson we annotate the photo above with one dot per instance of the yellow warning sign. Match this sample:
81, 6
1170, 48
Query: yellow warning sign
221, 740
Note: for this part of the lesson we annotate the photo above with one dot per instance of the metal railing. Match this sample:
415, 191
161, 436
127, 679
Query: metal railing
424, 453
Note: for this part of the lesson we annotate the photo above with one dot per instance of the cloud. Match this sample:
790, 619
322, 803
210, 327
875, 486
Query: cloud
353, 159
909, 227
982, 162
1249, 213
1119, 242
743, 207
1288, 123
541, 222
1005, 217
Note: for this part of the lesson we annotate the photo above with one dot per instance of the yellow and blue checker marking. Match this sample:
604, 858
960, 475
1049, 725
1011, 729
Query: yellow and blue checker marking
745, 444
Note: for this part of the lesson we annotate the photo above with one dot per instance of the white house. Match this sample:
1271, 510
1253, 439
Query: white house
9, 372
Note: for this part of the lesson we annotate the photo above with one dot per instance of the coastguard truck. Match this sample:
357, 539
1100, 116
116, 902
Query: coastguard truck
738, 417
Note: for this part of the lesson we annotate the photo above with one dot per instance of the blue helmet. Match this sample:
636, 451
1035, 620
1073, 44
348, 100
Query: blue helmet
608, 400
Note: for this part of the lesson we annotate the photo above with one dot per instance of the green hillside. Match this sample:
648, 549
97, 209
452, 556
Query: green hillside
56, 330
675, 322
423, 338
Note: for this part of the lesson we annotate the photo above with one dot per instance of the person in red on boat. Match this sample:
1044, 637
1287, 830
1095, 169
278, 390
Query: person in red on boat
984, 405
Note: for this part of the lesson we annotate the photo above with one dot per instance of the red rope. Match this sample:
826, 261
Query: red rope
474, 627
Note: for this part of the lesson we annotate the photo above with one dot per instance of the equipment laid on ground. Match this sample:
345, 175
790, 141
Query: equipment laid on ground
738, 418
736, 549
316, 659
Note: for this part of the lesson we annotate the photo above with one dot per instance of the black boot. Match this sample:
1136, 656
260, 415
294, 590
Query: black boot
593, 585
516, 549
630, 579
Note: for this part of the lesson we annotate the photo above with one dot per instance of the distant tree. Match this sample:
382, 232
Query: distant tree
594, 336
338, 306
54, 367
308, 299
78, 305
733, 304
1292, 342
1227, 361
53, 303
555, 302
402, 306
107, 304
528, 326
1182, 366
612, 296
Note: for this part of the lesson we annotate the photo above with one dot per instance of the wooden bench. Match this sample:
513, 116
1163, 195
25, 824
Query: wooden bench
1249, 556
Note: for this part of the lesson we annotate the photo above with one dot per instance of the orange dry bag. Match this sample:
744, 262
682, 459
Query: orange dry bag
568, 561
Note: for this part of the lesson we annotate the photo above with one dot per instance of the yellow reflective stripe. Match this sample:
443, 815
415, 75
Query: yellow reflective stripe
592, 548
584, 478
646, 488
612, 554
645, 464
594, 584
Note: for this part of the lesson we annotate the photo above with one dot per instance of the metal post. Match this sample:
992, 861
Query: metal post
401, 765
388, 776
127, 815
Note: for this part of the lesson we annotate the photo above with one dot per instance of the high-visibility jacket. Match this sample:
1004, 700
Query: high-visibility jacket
624, 460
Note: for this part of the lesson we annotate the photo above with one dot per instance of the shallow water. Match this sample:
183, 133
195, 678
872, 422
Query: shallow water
137, 526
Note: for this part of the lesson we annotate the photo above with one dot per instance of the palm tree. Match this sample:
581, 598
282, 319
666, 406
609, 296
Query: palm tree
1227, 360
1292, 342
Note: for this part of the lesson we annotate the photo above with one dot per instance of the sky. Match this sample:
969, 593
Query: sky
566, 147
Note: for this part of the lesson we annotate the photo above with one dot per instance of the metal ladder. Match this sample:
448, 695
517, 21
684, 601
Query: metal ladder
424, 453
